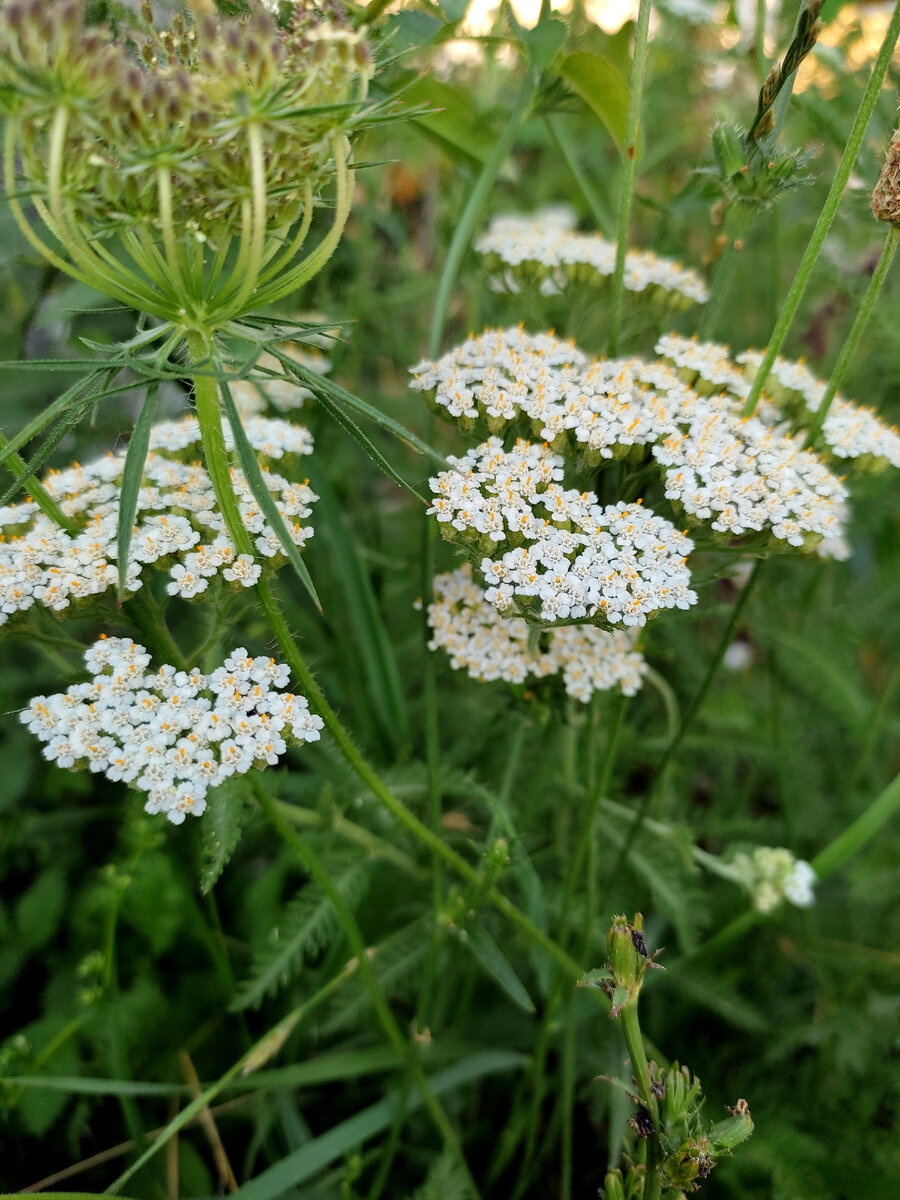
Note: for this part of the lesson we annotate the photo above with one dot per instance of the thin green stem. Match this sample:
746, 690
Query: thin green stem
828, 213
861, 320
687, 718
344, 913
626, 195
641, 1070
472, 211
167, 222
310, 818
601, 214
259, 202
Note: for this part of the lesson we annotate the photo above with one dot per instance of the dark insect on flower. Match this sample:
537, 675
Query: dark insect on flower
640, 945
642, 1124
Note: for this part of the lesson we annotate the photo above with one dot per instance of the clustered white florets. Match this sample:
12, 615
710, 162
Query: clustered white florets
490, 647
849, 431
552, 554
738, 475
178, 524
174, 735
772, 874
544, 248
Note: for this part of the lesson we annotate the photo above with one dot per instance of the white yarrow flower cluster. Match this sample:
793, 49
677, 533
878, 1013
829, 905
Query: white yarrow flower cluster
177, 523
544, 248
738, 475
792, 391
772, 874
174, 735
490, 647
555, 555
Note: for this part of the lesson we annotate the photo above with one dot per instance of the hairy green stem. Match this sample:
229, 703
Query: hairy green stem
860, 322
828, 213
470, 214
626, 195
641, 1070
39, 494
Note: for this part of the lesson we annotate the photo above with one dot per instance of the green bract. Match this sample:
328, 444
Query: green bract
178, 169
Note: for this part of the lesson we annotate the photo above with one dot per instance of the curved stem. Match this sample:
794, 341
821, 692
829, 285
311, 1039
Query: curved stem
315, 261
257, 239
166, 220
274, 269
470, 214
9, 174
38, 492
635, 92
828, 213
856, 331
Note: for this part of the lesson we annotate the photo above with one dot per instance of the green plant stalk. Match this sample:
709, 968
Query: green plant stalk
860, 322
344, 913
641, 1070
599, 211
687, 717
38, 492
472, 211
626, 195
310, 818
828, 213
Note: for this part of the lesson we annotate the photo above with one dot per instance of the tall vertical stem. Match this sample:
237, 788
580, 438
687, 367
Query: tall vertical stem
828, 213
635, 92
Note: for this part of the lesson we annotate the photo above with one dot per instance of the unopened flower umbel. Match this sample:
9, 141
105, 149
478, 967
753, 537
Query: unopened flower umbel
178, 524
196, 148
174, 735
772, 874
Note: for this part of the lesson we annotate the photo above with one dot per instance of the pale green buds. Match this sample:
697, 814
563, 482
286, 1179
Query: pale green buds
628, 960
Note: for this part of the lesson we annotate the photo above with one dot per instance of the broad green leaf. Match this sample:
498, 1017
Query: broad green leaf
132, 475
456, 125
372, 641
544, 42
454, 10
41, 908
339, 1141
497, 965
602, 87
262, 495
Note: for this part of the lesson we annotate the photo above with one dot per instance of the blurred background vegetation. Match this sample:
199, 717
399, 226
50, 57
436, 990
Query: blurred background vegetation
115, 966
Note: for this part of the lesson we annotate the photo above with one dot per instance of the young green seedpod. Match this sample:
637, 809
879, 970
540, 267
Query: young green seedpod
727, 1134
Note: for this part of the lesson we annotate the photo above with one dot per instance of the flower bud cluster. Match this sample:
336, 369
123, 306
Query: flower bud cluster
174, 735
849, 431
100, 114
178, 525
546, 250
490, 647
737, 475
772, 874
552, 554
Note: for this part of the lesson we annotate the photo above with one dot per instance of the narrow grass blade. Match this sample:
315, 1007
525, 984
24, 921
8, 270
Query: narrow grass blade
372, 640
132, 475
306, 1162
497, 965
253, 471
34, 466
59, 405
348, 424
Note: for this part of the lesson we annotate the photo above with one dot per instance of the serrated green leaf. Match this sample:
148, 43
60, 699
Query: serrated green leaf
602, 87
253, 472
308, 925
221, 829
497, 965
132, 477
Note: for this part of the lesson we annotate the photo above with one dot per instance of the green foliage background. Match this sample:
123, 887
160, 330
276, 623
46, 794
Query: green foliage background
114, 962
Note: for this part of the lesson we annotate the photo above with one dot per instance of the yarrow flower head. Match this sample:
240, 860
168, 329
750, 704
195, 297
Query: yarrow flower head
739, 476
793, 393
546, 250
178, 525
174, 735
772, 874
549, 554
490, 647
179, 140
